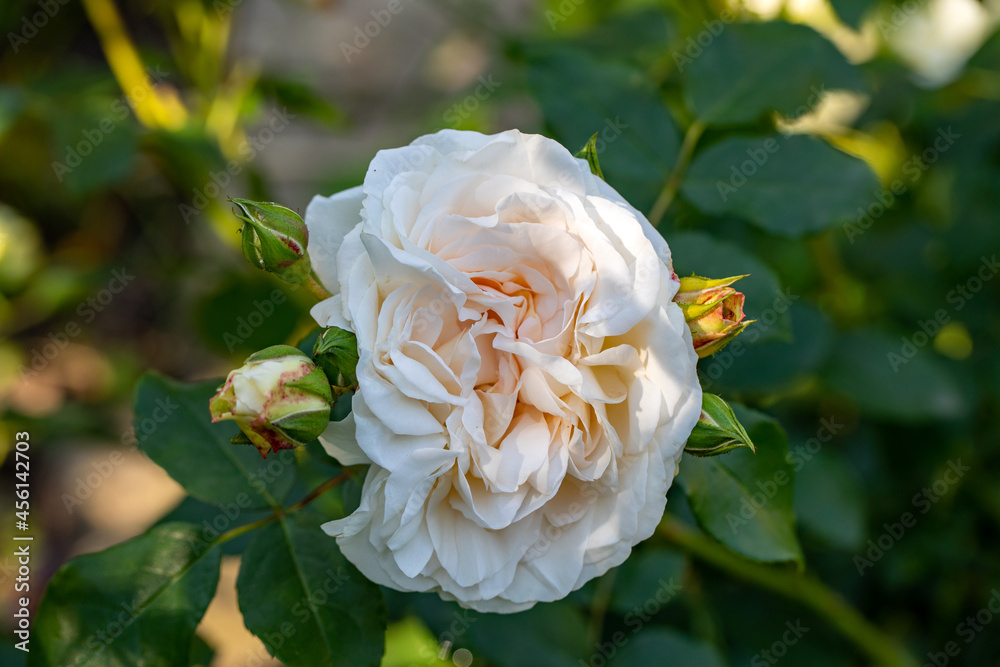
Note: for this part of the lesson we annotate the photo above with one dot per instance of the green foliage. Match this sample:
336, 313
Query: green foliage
744, 499
637, 140
306, 601
861, 285
137, 603
197, 453
790, 186
751, 69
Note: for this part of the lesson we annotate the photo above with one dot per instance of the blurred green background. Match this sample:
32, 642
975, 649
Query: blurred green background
845, 153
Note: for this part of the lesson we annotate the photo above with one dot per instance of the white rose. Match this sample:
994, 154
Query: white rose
526, 383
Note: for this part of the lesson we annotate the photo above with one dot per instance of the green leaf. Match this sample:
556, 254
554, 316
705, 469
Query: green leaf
789, 185
753, 68
660, 646
307, 603
871, 369
94, 147
300, 98
336, 352
744, 500
174, 429
202, 654
700, 254
717, 431
548, 635
828, 499
852, 11
137, 603
652, 574
246, 313
637, 138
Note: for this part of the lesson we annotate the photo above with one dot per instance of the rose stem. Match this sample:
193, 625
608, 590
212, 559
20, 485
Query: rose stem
663, 202
808, 590
281, 513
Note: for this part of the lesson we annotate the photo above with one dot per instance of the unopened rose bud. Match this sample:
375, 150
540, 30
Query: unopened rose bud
274, 239
279, 398
713, 311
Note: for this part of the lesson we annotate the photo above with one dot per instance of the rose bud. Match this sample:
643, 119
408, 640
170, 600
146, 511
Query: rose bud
279, 398
713, 311
274, 239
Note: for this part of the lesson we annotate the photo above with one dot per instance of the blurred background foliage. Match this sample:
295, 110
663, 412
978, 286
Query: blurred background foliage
845, 153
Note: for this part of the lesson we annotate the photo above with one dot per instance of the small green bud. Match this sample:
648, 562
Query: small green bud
336, 352
279, 398
275, 239
718, 430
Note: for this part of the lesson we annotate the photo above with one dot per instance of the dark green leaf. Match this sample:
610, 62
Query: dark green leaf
652, 574
852, 11
788, 185
548, 635
245, 314
637, 138
875, 370
307, 603
95, 147
660, 646
828, 498
300, 98
138, 603
766, 300
175, 430
743, 499
750, 69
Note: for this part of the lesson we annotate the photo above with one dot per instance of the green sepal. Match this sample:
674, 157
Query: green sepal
240, 439
589, 153
336, 352
718, 430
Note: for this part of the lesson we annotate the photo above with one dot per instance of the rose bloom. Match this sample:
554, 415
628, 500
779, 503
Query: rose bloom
526, 384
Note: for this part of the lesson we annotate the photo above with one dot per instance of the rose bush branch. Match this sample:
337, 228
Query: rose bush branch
802, 588
670, 188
